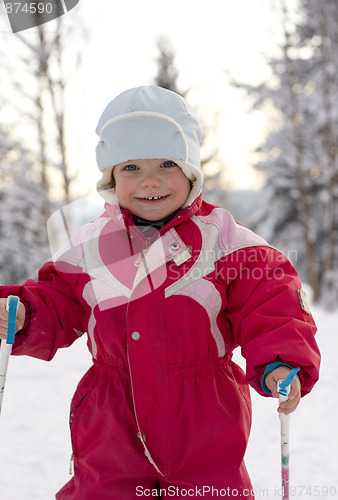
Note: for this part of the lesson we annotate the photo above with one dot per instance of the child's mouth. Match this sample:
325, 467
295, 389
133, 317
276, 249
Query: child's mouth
153, 198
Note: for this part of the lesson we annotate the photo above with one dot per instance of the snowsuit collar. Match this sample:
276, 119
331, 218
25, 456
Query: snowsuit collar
156, 223
124, 218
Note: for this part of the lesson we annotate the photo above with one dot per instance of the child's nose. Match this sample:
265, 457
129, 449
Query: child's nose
150, 180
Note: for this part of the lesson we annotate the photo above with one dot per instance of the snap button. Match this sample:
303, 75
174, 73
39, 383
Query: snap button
136, 335
175, 246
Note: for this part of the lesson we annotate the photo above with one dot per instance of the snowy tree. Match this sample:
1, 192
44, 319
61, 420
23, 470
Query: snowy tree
42, 65
299, 156
167, 77
23, 245
167, 72
35, 163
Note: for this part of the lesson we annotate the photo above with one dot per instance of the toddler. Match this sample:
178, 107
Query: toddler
166, 286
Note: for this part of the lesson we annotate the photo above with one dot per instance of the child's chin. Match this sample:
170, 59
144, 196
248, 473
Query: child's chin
152, 215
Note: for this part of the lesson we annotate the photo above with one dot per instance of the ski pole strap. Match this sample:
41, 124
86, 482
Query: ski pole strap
12, 308
283, 385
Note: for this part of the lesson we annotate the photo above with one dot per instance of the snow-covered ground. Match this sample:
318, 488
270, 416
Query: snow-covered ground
35, 446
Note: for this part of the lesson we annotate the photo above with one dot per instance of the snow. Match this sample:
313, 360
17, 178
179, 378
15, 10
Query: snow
35, 445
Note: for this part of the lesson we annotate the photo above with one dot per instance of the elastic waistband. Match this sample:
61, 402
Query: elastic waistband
197, 368
111, 368
174, 370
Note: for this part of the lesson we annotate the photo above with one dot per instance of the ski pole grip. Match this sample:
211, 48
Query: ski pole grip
283, 388
284, 385
12, 306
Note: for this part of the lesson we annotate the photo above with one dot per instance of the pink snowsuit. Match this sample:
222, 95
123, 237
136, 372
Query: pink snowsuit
163, 405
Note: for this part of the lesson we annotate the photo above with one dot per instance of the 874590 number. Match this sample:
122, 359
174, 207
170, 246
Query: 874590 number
29, 8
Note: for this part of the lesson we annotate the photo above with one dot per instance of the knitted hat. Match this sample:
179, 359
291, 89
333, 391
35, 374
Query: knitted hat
149, 122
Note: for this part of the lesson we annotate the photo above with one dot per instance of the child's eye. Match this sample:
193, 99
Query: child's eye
130, 167
168, 163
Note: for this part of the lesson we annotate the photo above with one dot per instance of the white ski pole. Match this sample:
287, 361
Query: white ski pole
283, 387
6, 345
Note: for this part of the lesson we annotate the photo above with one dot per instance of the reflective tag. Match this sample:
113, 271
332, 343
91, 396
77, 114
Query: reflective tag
182, 257
303, 301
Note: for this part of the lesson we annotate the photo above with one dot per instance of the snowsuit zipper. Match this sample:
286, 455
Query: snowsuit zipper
71, 465
71, 420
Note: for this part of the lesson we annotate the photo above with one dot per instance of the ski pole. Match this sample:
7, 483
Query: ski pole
6, 345
283, 387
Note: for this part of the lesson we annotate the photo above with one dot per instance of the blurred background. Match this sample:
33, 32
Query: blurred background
262, 76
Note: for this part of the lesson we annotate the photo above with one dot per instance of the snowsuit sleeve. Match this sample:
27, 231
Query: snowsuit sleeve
54, 315
268, 320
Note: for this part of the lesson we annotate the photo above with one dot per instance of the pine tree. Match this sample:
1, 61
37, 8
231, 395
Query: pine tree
42, 65
300, 152
23, 242
36, 159
167, 73
167, 77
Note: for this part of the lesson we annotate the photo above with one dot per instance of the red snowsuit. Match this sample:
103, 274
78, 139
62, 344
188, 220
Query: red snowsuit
163, 404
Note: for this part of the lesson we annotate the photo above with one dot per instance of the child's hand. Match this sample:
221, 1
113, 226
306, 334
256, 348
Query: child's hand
20, 319
271, 380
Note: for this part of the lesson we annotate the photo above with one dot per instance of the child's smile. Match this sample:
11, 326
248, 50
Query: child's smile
151, 189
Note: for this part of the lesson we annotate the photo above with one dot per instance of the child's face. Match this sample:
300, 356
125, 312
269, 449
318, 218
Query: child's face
138, 182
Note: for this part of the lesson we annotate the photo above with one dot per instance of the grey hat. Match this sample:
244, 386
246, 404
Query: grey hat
149, 122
